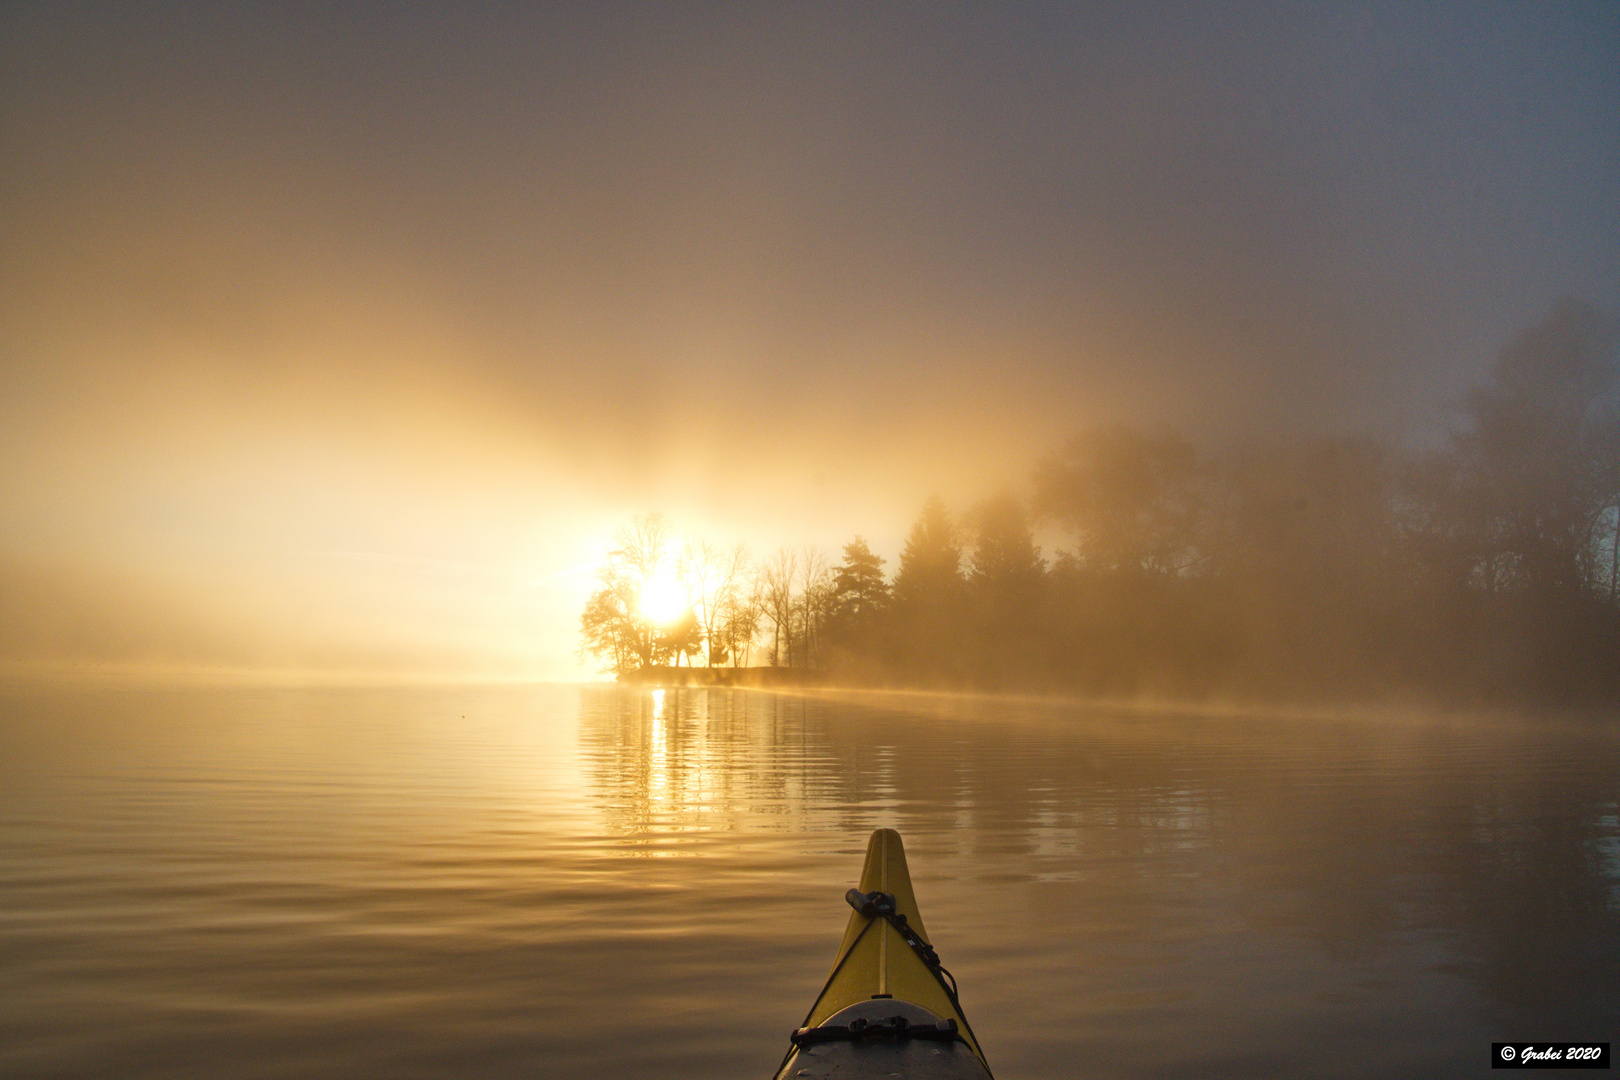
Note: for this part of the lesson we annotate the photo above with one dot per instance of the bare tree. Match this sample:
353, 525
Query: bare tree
775, 582
613, 626
642, 548
735, 609
701, 565
815, 582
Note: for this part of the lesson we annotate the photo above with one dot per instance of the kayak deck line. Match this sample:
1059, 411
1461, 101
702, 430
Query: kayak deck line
889, 1008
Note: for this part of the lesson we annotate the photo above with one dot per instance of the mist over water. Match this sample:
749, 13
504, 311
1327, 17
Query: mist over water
1254, 353
336, 341
619, 883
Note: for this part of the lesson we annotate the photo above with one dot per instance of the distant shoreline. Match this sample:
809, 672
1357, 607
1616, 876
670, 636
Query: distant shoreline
723, 676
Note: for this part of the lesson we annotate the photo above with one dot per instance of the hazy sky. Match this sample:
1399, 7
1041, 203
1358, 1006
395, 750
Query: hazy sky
340, 337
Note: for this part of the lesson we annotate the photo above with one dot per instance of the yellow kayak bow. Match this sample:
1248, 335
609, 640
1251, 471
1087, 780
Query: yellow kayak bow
889, 1008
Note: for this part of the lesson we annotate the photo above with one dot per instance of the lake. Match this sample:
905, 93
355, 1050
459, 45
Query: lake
603, 882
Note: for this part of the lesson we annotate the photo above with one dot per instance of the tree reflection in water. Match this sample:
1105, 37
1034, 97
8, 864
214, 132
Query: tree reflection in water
1135, 859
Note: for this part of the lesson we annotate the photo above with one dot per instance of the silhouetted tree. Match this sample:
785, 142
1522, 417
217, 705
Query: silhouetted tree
813, 604
774, 584
734, 609
1541, 455
683, 637
641, 549
858, 607
1447, 533
930, 570
613, 626
1487, 568
1133, 499
1614, 554
925, 627
860, 593
611, 629
1006, 585
1309, 564
1005, 563
699, 566
1314, 515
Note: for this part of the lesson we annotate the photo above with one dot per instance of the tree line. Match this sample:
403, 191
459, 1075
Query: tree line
1483, 568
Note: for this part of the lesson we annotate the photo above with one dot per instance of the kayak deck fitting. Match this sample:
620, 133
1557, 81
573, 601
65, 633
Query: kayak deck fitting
889, 1008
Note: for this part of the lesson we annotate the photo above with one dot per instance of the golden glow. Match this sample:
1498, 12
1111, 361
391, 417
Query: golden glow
663, 599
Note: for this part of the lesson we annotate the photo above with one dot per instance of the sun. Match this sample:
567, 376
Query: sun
663, 600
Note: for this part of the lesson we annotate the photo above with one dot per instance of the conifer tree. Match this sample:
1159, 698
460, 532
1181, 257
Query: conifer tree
1005, 560
930, 564
860, 593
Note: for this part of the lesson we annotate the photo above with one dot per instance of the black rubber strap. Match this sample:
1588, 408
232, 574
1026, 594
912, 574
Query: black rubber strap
882, 905
793, 1044
875, 906
895, 1027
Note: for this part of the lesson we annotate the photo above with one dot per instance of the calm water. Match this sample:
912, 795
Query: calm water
601, 883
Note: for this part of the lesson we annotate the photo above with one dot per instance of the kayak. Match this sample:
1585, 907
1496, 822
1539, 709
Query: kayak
888, 1008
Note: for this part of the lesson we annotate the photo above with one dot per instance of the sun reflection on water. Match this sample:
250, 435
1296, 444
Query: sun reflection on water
670, 764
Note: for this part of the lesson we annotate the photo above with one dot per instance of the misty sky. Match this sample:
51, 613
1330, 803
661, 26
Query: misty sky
339, 338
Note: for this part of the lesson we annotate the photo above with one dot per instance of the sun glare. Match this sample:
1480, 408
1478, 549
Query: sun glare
663, 600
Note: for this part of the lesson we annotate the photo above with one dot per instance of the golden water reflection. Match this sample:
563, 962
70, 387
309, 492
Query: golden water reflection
328, 869
1497, 842
668, 763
